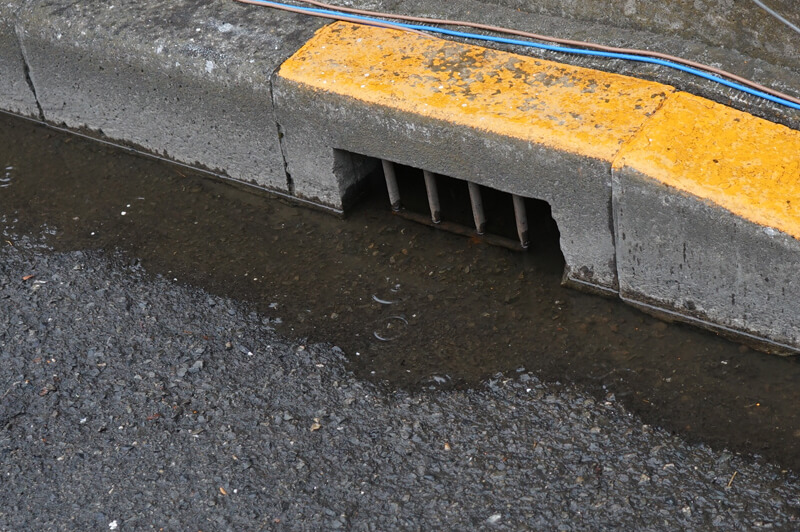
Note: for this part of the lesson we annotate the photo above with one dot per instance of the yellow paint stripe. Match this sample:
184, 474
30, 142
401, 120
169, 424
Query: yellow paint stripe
742, 163
568, 108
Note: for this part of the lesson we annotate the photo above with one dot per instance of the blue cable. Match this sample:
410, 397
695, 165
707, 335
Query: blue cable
542, 46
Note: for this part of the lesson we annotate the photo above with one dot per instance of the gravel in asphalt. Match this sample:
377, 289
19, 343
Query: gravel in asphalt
132, 402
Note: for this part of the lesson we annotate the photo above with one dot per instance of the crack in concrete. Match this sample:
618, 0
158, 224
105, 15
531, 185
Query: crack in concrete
27, 70
289, 180
279, 130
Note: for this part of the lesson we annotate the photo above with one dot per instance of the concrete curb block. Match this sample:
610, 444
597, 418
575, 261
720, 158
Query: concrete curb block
188, 81
683, 258
16, 94
512, 123
707, 220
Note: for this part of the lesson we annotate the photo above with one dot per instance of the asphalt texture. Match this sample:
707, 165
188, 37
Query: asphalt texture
132, 402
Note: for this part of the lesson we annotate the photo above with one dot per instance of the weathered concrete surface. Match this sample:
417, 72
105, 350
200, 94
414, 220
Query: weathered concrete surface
524, 126
706, 214
186, 79
16, 95
678, 254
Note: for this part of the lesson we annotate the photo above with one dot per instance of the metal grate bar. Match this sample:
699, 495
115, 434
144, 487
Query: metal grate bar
522, 220
390, 172
477, 207
391, 184
433, 196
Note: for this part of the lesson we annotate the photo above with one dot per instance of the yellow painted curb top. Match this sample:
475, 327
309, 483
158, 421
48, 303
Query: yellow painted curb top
568, 108
744, 164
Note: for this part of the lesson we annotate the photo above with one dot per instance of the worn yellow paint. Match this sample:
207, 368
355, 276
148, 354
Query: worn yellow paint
742, 163
568, 108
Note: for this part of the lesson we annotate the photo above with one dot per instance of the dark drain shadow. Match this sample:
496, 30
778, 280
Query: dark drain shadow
457, 214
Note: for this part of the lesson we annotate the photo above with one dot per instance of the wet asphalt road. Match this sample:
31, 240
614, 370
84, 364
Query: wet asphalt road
132, 402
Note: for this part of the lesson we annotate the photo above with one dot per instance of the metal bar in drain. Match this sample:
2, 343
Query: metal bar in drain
477, 207
522, 220
433, 196
391, 184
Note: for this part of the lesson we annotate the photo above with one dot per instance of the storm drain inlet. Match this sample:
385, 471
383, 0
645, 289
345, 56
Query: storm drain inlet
482, 212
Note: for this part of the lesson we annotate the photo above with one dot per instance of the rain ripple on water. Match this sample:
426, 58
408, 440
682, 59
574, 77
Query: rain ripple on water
5, 181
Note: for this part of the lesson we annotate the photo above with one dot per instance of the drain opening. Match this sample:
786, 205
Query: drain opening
469, 209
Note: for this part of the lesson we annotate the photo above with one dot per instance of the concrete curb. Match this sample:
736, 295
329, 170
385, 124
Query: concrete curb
539, 129
195, 83
185, 80
16, 94
707, 219
492, 118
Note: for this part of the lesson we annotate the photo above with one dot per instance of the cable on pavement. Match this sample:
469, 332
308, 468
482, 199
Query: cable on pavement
591, 49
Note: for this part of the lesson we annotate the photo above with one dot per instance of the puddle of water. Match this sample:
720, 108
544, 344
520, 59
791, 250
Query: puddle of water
412, 306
